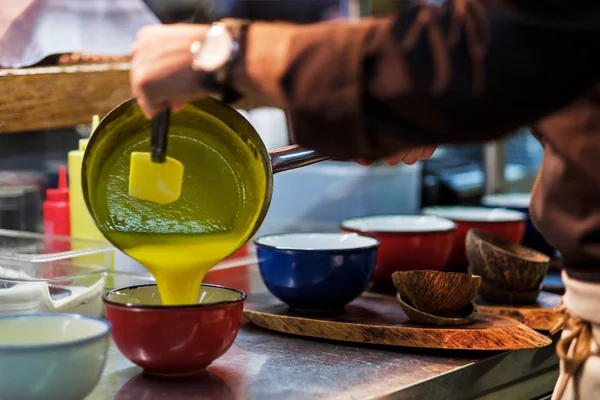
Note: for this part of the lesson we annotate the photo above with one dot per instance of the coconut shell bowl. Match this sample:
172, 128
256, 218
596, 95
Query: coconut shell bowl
437, 297
510, 273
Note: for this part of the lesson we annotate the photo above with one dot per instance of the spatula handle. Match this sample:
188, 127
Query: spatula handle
160, 132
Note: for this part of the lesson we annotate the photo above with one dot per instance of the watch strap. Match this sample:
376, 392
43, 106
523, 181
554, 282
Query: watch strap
239, 31
220, 84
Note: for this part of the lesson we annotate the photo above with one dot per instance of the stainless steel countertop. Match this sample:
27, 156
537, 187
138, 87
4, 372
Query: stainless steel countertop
265, 365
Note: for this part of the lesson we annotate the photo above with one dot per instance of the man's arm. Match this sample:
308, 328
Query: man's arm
430, 76
368, 89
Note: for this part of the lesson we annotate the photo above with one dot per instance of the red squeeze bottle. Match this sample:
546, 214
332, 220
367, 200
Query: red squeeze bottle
57, 221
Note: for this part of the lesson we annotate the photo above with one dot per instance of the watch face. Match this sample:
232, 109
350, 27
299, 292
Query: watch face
215, 49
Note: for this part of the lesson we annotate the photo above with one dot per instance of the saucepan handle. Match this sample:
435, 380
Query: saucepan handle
291, 157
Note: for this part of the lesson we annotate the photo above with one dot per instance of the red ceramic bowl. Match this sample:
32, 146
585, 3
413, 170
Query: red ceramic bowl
174, 340
407, 242
507, 224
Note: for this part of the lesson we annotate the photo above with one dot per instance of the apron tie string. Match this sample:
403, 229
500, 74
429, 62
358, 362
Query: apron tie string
572, 348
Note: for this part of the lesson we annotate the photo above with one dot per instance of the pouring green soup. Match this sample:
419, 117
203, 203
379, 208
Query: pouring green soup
226, 191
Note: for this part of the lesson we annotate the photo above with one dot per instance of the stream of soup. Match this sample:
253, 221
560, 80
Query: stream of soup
222, 195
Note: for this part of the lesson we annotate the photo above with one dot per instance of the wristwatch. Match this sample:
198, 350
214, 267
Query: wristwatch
216, 54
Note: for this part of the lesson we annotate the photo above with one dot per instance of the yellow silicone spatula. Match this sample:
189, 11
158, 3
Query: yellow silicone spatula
154, 176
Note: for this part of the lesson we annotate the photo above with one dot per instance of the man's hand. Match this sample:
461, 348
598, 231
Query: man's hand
408, 157
161, 67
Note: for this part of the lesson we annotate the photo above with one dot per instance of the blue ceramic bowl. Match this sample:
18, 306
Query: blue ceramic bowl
316, 272
520, 202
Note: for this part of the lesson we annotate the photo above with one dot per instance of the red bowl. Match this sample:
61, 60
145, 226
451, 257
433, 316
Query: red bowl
407, 242
506, 224
174, 340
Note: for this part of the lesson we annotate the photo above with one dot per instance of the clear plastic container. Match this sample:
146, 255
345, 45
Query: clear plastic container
40, 273
320, 196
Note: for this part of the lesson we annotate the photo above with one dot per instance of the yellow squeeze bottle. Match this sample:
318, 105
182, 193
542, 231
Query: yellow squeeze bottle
82, 224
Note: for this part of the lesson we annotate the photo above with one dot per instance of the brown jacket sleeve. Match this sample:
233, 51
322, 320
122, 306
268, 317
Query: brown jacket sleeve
471, 71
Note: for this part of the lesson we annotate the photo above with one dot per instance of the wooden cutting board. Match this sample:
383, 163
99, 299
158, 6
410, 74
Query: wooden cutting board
540, 315
378, 319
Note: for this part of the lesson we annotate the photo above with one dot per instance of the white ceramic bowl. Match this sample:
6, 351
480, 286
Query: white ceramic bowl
51, 356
